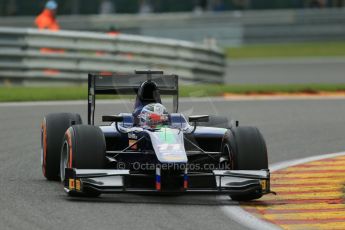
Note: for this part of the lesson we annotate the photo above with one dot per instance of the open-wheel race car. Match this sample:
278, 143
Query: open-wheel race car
151, 150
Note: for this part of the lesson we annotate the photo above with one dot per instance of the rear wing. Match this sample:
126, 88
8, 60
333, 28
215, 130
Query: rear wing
128, 84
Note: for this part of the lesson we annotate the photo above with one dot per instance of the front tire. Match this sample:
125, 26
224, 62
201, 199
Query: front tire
83, 148
53, 129
248, 151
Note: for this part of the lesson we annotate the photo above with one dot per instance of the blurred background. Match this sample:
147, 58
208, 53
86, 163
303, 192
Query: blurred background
244, 43
73, 7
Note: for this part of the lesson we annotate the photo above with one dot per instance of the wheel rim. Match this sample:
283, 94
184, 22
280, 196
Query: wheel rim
64, 160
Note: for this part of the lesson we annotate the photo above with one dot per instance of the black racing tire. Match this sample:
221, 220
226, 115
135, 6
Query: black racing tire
247, 151
53, 129
218, 122
83, 148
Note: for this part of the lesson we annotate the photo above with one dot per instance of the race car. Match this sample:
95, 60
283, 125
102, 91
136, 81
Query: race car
152, 150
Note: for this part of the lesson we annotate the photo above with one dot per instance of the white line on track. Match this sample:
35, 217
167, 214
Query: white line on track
248, 220
190, 99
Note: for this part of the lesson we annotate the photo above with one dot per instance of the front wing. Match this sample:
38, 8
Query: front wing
229, 182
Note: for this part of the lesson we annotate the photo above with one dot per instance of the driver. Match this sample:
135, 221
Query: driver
153, 116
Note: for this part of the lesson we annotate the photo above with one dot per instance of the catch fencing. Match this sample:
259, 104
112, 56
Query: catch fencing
30, 56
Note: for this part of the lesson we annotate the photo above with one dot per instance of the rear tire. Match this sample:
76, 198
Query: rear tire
53, 129
248, 151
83, 148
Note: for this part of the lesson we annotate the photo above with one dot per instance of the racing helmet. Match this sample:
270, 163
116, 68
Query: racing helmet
153, 115
51, 5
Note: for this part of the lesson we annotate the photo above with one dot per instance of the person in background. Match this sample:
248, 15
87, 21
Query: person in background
47, 19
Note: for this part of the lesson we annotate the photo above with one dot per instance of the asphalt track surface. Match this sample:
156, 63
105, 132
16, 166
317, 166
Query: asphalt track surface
286, 71
293, 129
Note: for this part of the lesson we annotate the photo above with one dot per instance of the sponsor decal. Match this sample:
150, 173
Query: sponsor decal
131, 142
77, 185
167, 136
71, 184
173, 157
263, 184
169, 147
158, 179
132, 136
185, 179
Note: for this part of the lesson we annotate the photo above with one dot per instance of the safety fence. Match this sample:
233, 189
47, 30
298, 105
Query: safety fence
33, 56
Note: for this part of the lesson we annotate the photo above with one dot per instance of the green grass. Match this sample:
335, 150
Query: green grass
311, 49
44, 93
8, 94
